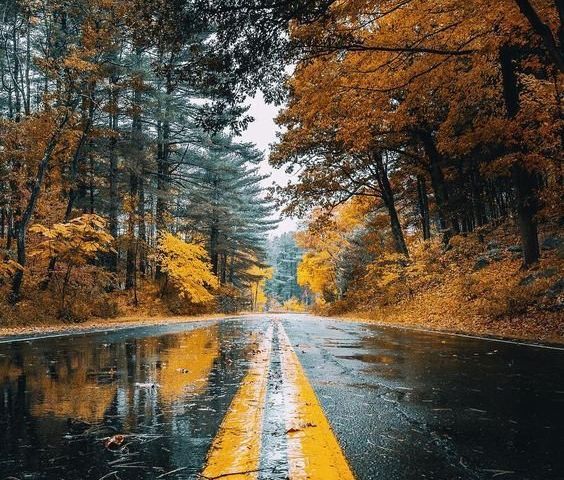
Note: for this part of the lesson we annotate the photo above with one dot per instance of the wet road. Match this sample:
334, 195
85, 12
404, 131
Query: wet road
277, 397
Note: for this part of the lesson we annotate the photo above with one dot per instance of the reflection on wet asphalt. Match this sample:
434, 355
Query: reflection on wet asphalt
403, 404
168, 393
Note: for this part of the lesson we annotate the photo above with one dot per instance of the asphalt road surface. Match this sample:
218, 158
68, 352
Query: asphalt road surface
279, 397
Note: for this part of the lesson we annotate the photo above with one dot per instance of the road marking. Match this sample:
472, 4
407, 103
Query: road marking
235, 451
313, 450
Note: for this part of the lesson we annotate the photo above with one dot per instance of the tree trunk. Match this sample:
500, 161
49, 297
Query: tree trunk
113, 174
2, 223
389, 202
214, 255
16, 71
137, 138
163, 169
131, 254
446, 221
231, 268
543, 30
22, 223
524, 181
86, 120
423, 204
477, 184
142, 228
527, 207
223, 268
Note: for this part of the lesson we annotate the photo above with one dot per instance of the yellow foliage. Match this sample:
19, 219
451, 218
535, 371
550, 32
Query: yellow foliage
317, 272
293, 305
76, 242
187, 266
8, 268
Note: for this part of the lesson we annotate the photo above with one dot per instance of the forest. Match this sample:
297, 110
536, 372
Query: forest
423, 142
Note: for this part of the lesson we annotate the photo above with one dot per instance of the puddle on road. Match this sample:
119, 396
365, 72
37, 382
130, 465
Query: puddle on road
61, 399
371, 358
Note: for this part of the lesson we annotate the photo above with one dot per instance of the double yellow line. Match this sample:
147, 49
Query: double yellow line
313, 451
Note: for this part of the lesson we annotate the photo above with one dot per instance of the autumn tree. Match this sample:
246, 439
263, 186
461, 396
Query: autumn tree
187, 267
74, 244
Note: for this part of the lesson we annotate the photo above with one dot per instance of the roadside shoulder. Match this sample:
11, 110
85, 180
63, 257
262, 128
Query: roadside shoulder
527, 332
117, 323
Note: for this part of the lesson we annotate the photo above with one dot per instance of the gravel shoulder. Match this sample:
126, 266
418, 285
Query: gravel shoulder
104, 324
541, 331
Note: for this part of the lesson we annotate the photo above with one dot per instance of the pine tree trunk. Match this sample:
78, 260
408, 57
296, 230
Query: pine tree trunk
142, 228
137, 138
113, 211
131, 254
163, 166
214, 255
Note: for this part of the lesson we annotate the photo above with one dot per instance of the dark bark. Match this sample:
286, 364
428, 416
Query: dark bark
91, 187
231, 268
423, 206
131, 254
113, 174
142, 227
447, 223
390, 204
478, 209
16, 71
2, 223
214, 255
21, 224
223, 278
27, 103
527, 208
87, 118
543, 30
560, 8
163, 169
524, 181
137, 139
163, 183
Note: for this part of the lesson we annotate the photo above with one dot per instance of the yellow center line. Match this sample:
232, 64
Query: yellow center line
235, 451
313, 450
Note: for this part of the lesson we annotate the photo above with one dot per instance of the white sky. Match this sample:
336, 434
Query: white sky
262, 132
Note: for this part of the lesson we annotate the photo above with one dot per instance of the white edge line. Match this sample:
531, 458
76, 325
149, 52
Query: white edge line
349, 320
